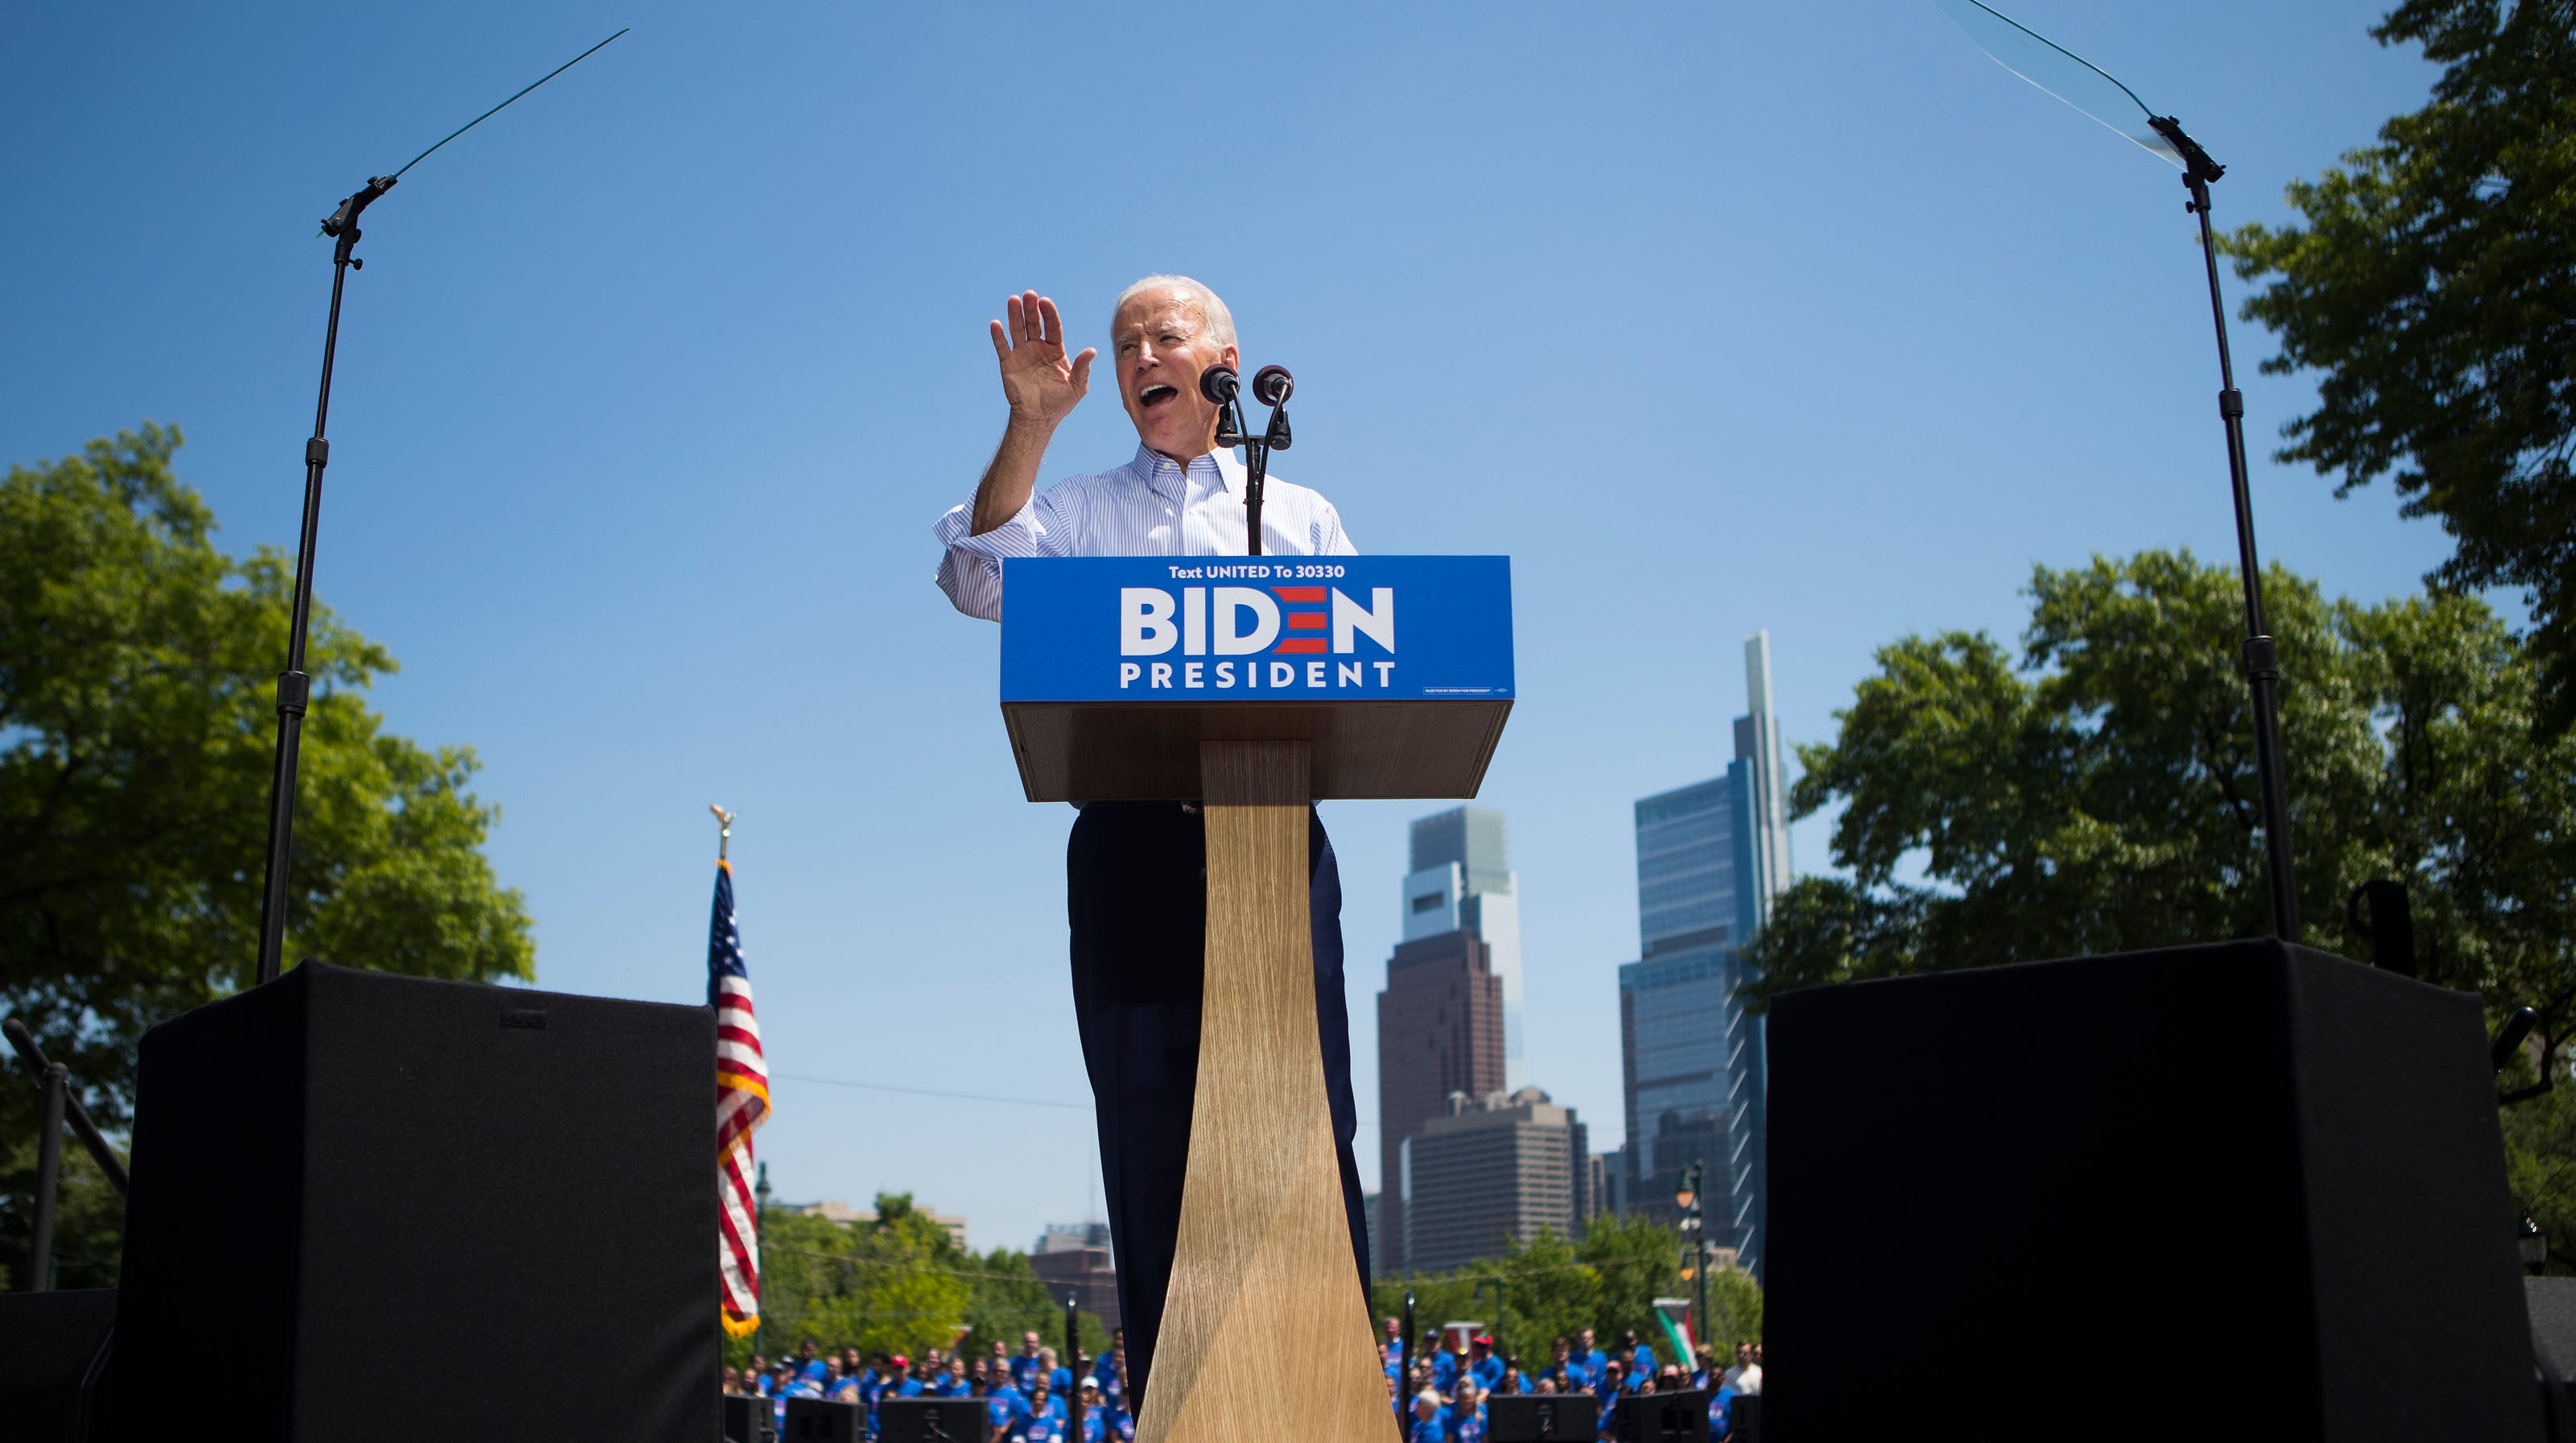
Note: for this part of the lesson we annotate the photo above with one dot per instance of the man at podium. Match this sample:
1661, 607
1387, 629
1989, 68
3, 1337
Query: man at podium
1135, 871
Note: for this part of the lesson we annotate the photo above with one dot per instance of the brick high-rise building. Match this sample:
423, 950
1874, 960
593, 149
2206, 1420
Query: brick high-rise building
1439, 1031
1074, 1258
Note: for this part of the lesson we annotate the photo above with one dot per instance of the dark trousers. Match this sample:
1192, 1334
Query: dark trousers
1136, 891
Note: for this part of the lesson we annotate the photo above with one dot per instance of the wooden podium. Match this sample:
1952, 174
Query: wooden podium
1255, 685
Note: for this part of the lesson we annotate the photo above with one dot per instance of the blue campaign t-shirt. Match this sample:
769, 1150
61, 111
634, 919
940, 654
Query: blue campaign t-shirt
952, 1386
1488, 1372
1721, 1411
1024, 1371
1595, 1364
812, 1368
1061, 1382
1002, 1410
1042, 1428
1428, 1430
1444, 1370
911, 1388
1645, 1361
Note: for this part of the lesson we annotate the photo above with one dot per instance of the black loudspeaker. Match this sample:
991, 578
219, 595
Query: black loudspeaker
1661, 1418
2272, 1175
932, 1420
748, 1418
410, 1211
2552, 1305
1533, 1417
1744, 1415
52, 1348
820, 1420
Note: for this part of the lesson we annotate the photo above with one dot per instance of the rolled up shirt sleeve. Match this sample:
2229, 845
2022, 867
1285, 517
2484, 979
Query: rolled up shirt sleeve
970, 570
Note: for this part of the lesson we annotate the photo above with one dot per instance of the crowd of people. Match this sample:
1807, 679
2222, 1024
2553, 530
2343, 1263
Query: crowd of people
1032, 1397
1445, 1398
1026, 1394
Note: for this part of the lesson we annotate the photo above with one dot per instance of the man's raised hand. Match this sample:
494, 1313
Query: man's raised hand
1039, 383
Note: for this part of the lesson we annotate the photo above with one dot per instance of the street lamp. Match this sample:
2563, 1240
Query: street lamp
1695, 1239
759, 1225
2533, 1244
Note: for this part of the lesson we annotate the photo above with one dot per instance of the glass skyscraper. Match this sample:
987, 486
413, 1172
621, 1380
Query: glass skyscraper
1710, 857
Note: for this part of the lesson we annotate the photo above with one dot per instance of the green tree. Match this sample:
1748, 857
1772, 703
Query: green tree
1552, 1286
2098, 796
2105, 804
899, 1284
136, 720
2434, 284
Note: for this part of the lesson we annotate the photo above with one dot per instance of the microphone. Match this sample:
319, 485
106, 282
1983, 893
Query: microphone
1218, 383
1271, 385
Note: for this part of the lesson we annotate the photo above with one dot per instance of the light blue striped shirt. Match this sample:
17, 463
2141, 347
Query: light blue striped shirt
1148, 507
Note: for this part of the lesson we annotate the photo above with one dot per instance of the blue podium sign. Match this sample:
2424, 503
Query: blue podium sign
1217, 629
1397, 668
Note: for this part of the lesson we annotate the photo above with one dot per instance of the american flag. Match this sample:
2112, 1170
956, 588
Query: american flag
742, 1103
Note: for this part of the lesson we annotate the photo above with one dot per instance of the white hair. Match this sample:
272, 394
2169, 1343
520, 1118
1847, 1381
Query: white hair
1212, 311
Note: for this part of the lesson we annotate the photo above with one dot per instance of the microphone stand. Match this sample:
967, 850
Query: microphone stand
294, 688
1230, 432
2262, 665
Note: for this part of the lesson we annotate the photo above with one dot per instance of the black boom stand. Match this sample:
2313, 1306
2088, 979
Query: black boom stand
2262, 666
294, 688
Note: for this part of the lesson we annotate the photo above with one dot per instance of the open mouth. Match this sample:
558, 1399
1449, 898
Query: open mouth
1156, 395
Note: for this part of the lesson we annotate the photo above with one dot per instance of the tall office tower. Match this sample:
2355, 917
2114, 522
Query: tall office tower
1439, 1031
1710, 857
1766, 799
1462, 877
1489, 1171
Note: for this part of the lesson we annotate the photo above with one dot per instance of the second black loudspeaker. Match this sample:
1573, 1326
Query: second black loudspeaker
2266, 1176
410, 1211
932, 1420
1661, 1418
749, 1418
821, 1420
1541, 1417
52, 1348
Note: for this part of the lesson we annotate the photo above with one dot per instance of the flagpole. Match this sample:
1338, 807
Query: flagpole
760, 1193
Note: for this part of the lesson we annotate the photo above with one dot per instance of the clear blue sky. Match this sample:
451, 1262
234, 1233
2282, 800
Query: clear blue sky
1714, 317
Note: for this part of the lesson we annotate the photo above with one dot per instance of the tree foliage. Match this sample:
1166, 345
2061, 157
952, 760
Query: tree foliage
2434, 284
2098, 794
1551, 1286
136, 723
899, 1284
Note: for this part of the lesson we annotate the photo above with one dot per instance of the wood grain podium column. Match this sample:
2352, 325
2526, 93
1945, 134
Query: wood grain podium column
1266, 1327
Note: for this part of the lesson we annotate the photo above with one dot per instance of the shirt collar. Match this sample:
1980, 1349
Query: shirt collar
1164, 475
